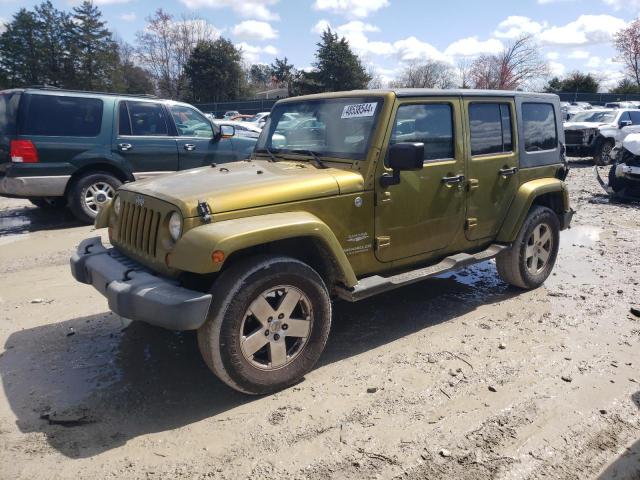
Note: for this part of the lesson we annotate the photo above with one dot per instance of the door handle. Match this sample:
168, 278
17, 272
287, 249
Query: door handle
124, 147
508, 172
453, 180
189, 147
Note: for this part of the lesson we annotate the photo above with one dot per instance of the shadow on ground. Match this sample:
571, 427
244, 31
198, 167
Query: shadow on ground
120, 383
27, 219
627, 466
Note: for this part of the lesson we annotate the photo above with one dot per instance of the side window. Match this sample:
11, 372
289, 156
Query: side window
490, 125
190, 123
635, 117
147, 119
431, 124
625, 117
62, 116
124, 123
539, 124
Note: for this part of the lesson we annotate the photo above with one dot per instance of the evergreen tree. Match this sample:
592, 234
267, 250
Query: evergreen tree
214, 71
574, 82
626, 86
93, 49
54, 40
282, 71
19, 47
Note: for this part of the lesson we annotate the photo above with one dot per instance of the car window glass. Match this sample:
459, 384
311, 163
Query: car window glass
191, 123
431, 124
625, 117
490, 125
124, 124
539, 125
62, 116
635, 117
147, 119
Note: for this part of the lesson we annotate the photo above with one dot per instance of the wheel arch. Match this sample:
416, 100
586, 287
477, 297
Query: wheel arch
99, 167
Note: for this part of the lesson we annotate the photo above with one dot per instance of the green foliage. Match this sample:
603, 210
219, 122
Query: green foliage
574, 82
626, 86
20, 60
214, 72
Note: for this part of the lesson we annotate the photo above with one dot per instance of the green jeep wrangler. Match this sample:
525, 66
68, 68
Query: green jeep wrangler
347, 195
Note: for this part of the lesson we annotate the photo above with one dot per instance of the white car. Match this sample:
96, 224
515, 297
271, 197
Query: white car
594, 133
243, 129
259, 119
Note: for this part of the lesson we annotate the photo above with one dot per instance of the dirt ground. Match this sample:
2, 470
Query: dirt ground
458, 377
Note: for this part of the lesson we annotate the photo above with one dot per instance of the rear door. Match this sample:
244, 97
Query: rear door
197, 145
493, 164
634, 117
9, 101
144, 138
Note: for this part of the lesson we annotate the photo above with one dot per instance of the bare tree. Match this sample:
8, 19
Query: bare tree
376, 79
627, 43
516, 67
165, 45
430, 74
464, 69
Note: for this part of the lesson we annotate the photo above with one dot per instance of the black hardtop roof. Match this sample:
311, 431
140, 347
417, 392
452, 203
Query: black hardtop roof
47, 88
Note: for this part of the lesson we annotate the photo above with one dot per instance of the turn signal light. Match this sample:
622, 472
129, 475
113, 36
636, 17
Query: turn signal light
23, 151
217, 256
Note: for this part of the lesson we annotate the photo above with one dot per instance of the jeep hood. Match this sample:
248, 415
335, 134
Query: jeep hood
247, 184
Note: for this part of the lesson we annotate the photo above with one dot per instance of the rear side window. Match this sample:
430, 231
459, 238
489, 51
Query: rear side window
539, 124
635, 117
147, 119
59, 116
490, 128
8, 112
431, 124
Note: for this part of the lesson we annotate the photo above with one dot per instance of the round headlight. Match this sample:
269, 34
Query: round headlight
117, 205
175, 226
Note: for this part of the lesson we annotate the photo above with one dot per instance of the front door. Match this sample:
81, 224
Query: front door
425, 212
493, 165
143, 138
196, 144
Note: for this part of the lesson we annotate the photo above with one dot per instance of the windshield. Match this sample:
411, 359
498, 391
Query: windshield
339, 128
595, 117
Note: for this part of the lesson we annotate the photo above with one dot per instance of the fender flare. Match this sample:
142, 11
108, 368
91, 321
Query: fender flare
525, 196
193, 251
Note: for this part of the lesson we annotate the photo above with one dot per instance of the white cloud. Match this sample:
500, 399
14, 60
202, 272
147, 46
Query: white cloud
594, 62
355, 31
633, 5
557, 69
2, 25
411, 49
258, 9
553, 55
255, 30
579, 54
514, 26
252, 53
110, 2
586, 30
471, 47
321, 27
351, 8
128, 17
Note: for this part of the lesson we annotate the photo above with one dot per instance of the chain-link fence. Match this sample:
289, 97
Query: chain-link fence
598, 98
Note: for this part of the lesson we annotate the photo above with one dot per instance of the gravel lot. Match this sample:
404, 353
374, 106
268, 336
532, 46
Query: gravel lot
458, 377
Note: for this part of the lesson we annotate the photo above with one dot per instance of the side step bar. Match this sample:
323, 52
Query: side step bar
375, 284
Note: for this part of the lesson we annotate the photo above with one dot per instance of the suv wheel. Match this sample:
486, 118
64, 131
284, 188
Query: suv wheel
602, 155
90, 192
268, 324
529, 261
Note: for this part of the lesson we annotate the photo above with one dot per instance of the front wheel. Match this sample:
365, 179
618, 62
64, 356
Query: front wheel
603, 152
529, 261
268, 324
90, 192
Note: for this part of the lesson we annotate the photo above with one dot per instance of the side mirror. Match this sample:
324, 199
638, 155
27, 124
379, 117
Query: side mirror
625, 123
403, 157
227, 131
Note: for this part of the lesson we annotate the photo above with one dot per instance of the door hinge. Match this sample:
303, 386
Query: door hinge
470, 223
472, 184
383, 242
383, 198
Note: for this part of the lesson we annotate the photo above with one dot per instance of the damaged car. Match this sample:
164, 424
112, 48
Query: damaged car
594, 133
624, 174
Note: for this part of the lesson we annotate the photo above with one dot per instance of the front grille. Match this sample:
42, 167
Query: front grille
574, 137
139, 228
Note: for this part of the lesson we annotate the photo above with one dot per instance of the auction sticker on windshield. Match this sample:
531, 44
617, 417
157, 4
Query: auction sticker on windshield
359, 110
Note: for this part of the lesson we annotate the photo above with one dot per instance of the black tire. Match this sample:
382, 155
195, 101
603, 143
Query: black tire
219, 339
602, 155
49, 203
513, 265
79, 191
616, 184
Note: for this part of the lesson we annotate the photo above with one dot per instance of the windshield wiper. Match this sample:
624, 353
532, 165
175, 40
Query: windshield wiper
272, 157
316, 159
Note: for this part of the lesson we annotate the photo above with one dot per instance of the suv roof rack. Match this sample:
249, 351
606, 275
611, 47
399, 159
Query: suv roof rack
58, 89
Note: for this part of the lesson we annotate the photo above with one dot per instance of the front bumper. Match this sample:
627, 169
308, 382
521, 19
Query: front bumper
135, 293
40, 186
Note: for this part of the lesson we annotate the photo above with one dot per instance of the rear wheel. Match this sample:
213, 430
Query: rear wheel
529, 261
602, 154
90, 192
268, 324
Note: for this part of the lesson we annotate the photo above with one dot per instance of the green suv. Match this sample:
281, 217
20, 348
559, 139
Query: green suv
362, 193
61, 147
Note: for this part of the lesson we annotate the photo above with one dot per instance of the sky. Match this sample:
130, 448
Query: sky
389, 34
